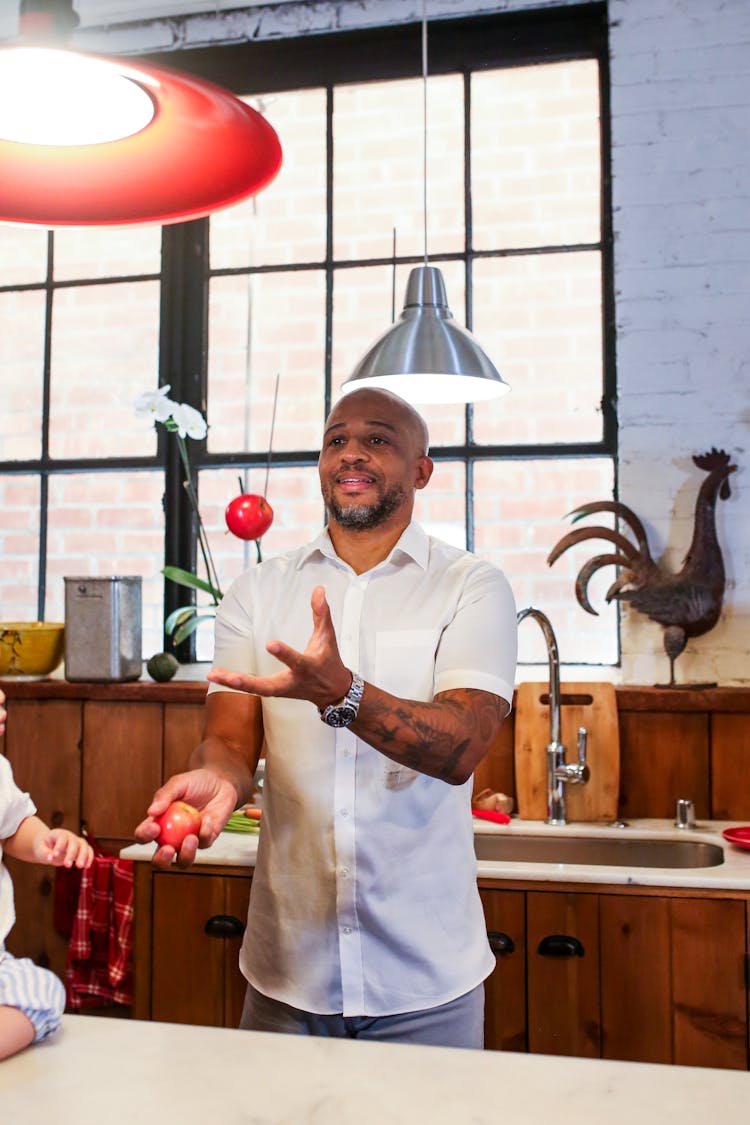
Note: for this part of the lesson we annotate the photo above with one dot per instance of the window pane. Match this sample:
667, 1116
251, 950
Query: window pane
108, 524
535, 162
540, 318
84, 252
261, 325
105, 351
378, 168
21, 374
286, 222
294, 495
19, 547
363, 300
23, 255
520, 509
441, 507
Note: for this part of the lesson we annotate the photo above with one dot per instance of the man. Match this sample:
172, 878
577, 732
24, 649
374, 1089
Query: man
365, 917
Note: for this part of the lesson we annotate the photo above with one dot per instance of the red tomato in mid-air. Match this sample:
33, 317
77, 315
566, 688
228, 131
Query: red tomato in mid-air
249, 516
177, 822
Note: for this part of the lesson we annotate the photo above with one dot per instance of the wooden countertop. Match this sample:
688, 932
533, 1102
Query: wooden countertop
189, 686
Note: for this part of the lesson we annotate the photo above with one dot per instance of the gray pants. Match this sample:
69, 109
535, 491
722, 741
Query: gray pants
459, 1023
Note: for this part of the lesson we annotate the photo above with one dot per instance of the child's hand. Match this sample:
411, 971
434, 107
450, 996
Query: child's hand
61, 848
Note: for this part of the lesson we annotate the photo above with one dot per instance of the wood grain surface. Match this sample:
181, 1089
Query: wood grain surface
589, 705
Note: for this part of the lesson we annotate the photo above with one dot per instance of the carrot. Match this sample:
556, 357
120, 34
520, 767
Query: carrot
254, 814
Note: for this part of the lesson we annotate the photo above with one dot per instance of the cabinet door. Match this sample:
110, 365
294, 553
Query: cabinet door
635, 978
122, 753
708, 983
562, 941
198, 922
42, 743
505, 988
673, 980
183, 728
235, 985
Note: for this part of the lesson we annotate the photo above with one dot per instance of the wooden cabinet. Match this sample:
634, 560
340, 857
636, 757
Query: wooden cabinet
563, 974
649, 977
189, 927
673, 980
636, 943
661, 976
93, 755
43, 747
121, 765
505, 989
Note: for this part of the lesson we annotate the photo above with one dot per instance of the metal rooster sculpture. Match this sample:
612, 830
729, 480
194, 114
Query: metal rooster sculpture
688, 603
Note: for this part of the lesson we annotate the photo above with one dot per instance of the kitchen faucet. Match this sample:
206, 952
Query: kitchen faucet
559, 772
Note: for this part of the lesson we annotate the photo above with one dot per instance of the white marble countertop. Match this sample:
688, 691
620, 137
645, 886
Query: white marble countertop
129, 1072
239, 850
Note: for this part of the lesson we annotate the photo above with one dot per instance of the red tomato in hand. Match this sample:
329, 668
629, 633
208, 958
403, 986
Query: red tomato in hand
249, 516
177, 822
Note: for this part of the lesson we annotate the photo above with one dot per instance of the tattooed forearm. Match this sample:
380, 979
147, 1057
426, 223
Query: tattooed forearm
445, 738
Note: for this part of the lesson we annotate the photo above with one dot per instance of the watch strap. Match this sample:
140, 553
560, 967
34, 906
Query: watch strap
350, 702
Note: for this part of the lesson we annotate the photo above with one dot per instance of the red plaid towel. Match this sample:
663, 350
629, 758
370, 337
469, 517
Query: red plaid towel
99, 968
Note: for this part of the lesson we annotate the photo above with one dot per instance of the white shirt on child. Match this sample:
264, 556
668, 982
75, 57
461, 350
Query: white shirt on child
15, 806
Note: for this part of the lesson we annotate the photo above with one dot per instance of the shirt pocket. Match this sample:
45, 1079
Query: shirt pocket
405, 662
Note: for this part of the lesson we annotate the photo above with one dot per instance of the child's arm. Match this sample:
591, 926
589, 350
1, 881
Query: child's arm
34, 842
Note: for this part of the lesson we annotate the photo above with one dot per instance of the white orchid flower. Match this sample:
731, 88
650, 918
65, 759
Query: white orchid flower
189, 421
155, 405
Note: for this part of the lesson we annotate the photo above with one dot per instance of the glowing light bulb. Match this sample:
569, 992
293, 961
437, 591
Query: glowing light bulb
61, 98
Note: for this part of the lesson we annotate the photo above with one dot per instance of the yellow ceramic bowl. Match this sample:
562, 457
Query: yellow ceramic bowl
30, 648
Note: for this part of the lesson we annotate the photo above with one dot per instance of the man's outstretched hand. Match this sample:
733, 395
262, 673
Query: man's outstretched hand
317, 674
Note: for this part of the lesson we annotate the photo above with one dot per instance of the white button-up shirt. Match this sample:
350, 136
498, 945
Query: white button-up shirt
364, 898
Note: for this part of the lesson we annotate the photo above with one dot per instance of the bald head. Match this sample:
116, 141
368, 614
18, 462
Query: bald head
375, 404
373, 460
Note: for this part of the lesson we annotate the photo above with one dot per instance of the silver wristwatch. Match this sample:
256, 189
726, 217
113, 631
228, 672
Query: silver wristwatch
344, 713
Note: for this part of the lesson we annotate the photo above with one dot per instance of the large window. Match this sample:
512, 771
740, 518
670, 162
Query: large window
292, 287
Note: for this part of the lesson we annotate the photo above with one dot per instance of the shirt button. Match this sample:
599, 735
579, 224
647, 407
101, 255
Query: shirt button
344, 812
347, 753
344, 871
347, 930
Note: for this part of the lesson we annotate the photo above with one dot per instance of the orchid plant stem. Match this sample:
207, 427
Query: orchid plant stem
202, 537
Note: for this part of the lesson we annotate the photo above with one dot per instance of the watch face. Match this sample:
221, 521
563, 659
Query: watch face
340, 716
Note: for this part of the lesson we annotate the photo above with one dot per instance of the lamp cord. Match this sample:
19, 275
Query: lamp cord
270, 436
424, 123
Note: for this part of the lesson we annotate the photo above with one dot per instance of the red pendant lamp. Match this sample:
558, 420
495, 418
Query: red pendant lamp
92, 141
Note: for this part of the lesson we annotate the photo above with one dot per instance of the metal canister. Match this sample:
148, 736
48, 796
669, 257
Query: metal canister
103, 628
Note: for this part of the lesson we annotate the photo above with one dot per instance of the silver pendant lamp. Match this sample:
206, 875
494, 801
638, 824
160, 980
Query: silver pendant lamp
426, 356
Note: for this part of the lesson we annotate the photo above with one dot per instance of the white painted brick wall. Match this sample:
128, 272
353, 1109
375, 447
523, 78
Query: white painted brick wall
680, 72
680, 82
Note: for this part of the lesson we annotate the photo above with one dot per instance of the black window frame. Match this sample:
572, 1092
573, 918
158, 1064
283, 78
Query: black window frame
456, 45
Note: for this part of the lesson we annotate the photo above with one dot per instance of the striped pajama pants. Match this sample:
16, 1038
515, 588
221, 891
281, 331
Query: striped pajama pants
36, 992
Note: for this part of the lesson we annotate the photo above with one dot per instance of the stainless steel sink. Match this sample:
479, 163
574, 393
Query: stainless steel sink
599, 852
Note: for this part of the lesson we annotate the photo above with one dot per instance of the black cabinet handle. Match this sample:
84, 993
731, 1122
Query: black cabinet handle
560, 945
500, 942
224, 925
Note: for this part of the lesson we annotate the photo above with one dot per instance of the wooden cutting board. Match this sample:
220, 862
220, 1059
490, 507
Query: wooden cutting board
590, 705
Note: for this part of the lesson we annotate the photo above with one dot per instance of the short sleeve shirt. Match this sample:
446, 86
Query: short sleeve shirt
364, 897
15, 806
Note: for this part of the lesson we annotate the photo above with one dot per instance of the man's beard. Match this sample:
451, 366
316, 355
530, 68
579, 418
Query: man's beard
362, 517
